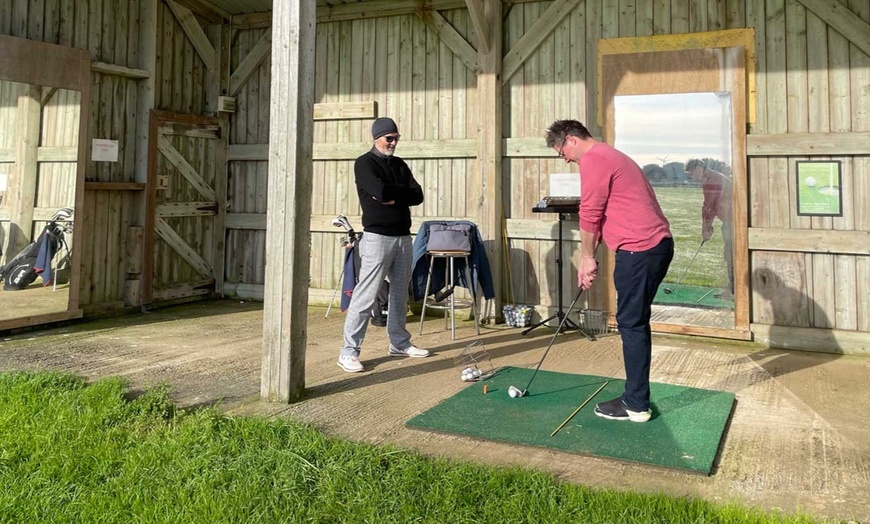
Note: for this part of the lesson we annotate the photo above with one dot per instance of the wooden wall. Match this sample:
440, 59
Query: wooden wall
397, 62
246, 192
111, 30
811, 93
809, 80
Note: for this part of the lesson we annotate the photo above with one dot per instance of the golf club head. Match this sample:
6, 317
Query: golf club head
341, 221
515, 392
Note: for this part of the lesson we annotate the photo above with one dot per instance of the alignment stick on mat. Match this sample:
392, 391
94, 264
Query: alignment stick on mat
578, 409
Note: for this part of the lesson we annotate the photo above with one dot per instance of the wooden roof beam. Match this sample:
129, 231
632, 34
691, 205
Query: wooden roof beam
195, 33
481, 25
206, 10
535, 36
382, 8
251, 63
451, 37
843, 20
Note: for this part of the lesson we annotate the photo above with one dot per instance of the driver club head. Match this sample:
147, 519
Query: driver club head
515, 392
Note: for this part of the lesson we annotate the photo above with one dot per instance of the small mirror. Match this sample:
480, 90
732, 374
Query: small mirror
683, 144
43, 89
38, 158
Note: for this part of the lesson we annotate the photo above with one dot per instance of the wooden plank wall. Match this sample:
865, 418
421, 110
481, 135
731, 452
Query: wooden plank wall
810, 79
181, 82
110, 31
247, 180
414, 78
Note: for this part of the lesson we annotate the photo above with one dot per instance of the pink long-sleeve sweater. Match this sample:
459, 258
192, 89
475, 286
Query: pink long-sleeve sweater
618, 202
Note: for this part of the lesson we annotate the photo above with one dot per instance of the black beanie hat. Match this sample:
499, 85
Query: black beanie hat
383, 126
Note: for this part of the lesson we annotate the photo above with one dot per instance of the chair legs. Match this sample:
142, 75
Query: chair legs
449, 280
426, 294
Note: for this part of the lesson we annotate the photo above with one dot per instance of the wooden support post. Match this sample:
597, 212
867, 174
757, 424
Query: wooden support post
145, 95
289, 207
489, 144
26, 155
218, 84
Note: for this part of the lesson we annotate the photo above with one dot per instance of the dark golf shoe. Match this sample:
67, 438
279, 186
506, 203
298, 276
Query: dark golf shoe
617, 410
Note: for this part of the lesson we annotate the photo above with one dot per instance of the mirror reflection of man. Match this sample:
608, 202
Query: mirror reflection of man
717, 204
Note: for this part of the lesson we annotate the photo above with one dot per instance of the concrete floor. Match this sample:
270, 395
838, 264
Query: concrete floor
799, 437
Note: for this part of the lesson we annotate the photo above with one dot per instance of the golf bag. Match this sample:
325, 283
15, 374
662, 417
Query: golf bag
350, 275
35, 259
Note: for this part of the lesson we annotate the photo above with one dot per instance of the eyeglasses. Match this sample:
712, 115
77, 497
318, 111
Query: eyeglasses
561, 154
392, 138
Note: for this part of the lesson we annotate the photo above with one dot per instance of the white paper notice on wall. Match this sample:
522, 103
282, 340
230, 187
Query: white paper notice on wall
103, 150
4, 182
564, 184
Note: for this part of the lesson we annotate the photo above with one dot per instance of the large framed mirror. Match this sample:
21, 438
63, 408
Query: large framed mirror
688, 164
678, 105
44, 107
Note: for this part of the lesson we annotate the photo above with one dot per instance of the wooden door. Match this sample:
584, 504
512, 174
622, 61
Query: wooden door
186, 208
709, 69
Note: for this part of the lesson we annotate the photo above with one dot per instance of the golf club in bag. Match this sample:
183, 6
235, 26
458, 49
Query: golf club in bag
350, 275
515, 392
669, 290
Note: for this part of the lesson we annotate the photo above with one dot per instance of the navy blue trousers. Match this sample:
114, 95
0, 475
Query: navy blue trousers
637, 276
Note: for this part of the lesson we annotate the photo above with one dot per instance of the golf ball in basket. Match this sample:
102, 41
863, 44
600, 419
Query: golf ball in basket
810, 181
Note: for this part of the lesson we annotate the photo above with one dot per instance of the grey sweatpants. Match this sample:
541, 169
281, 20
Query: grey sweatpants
381, 257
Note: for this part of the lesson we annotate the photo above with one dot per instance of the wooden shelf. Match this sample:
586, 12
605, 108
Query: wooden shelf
114, 186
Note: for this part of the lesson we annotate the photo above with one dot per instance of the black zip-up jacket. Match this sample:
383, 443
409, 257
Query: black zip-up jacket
382, 179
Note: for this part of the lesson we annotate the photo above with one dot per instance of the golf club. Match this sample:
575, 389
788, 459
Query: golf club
516, 392
669, 290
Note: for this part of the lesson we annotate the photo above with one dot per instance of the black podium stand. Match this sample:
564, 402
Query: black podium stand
563, 211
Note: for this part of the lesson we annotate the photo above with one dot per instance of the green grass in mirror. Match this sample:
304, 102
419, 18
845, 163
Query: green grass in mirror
682, 207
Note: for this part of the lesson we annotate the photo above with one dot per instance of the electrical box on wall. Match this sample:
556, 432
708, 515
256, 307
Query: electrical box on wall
226, 104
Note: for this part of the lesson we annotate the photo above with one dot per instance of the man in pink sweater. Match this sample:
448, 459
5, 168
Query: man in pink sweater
619, 206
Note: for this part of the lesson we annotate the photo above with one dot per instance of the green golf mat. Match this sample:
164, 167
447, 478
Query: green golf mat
693, 296
683, 433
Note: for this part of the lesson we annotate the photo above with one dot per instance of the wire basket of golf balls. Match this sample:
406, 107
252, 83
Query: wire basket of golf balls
595, 321
474, 362
517, 315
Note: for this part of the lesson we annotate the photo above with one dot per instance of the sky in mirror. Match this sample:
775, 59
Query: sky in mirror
658, 129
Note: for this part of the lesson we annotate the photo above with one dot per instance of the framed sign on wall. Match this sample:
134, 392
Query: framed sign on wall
819, 188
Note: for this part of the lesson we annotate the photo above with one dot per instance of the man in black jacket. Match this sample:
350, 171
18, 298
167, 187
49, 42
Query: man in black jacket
386, 189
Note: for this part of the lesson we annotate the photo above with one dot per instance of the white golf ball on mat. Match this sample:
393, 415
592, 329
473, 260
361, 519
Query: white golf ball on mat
513, 392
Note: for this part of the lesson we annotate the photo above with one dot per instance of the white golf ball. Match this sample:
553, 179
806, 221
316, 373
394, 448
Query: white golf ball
810, 181
513, 392
476, 373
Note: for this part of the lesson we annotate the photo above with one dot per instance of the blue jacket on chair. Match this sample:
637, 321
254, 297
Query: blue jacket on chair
481, 274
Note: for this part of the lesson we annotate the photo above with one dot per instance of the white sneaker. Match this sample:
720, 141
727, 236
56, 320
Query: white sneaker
350, 363
410, 351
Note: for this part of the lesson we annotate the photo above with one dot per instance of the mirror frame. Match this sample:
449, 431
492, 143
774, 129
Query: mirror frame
64, 68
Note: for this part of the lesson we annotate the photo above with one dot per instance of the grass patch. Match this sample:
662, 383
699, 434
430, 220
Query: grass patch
682, 207
72, 452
